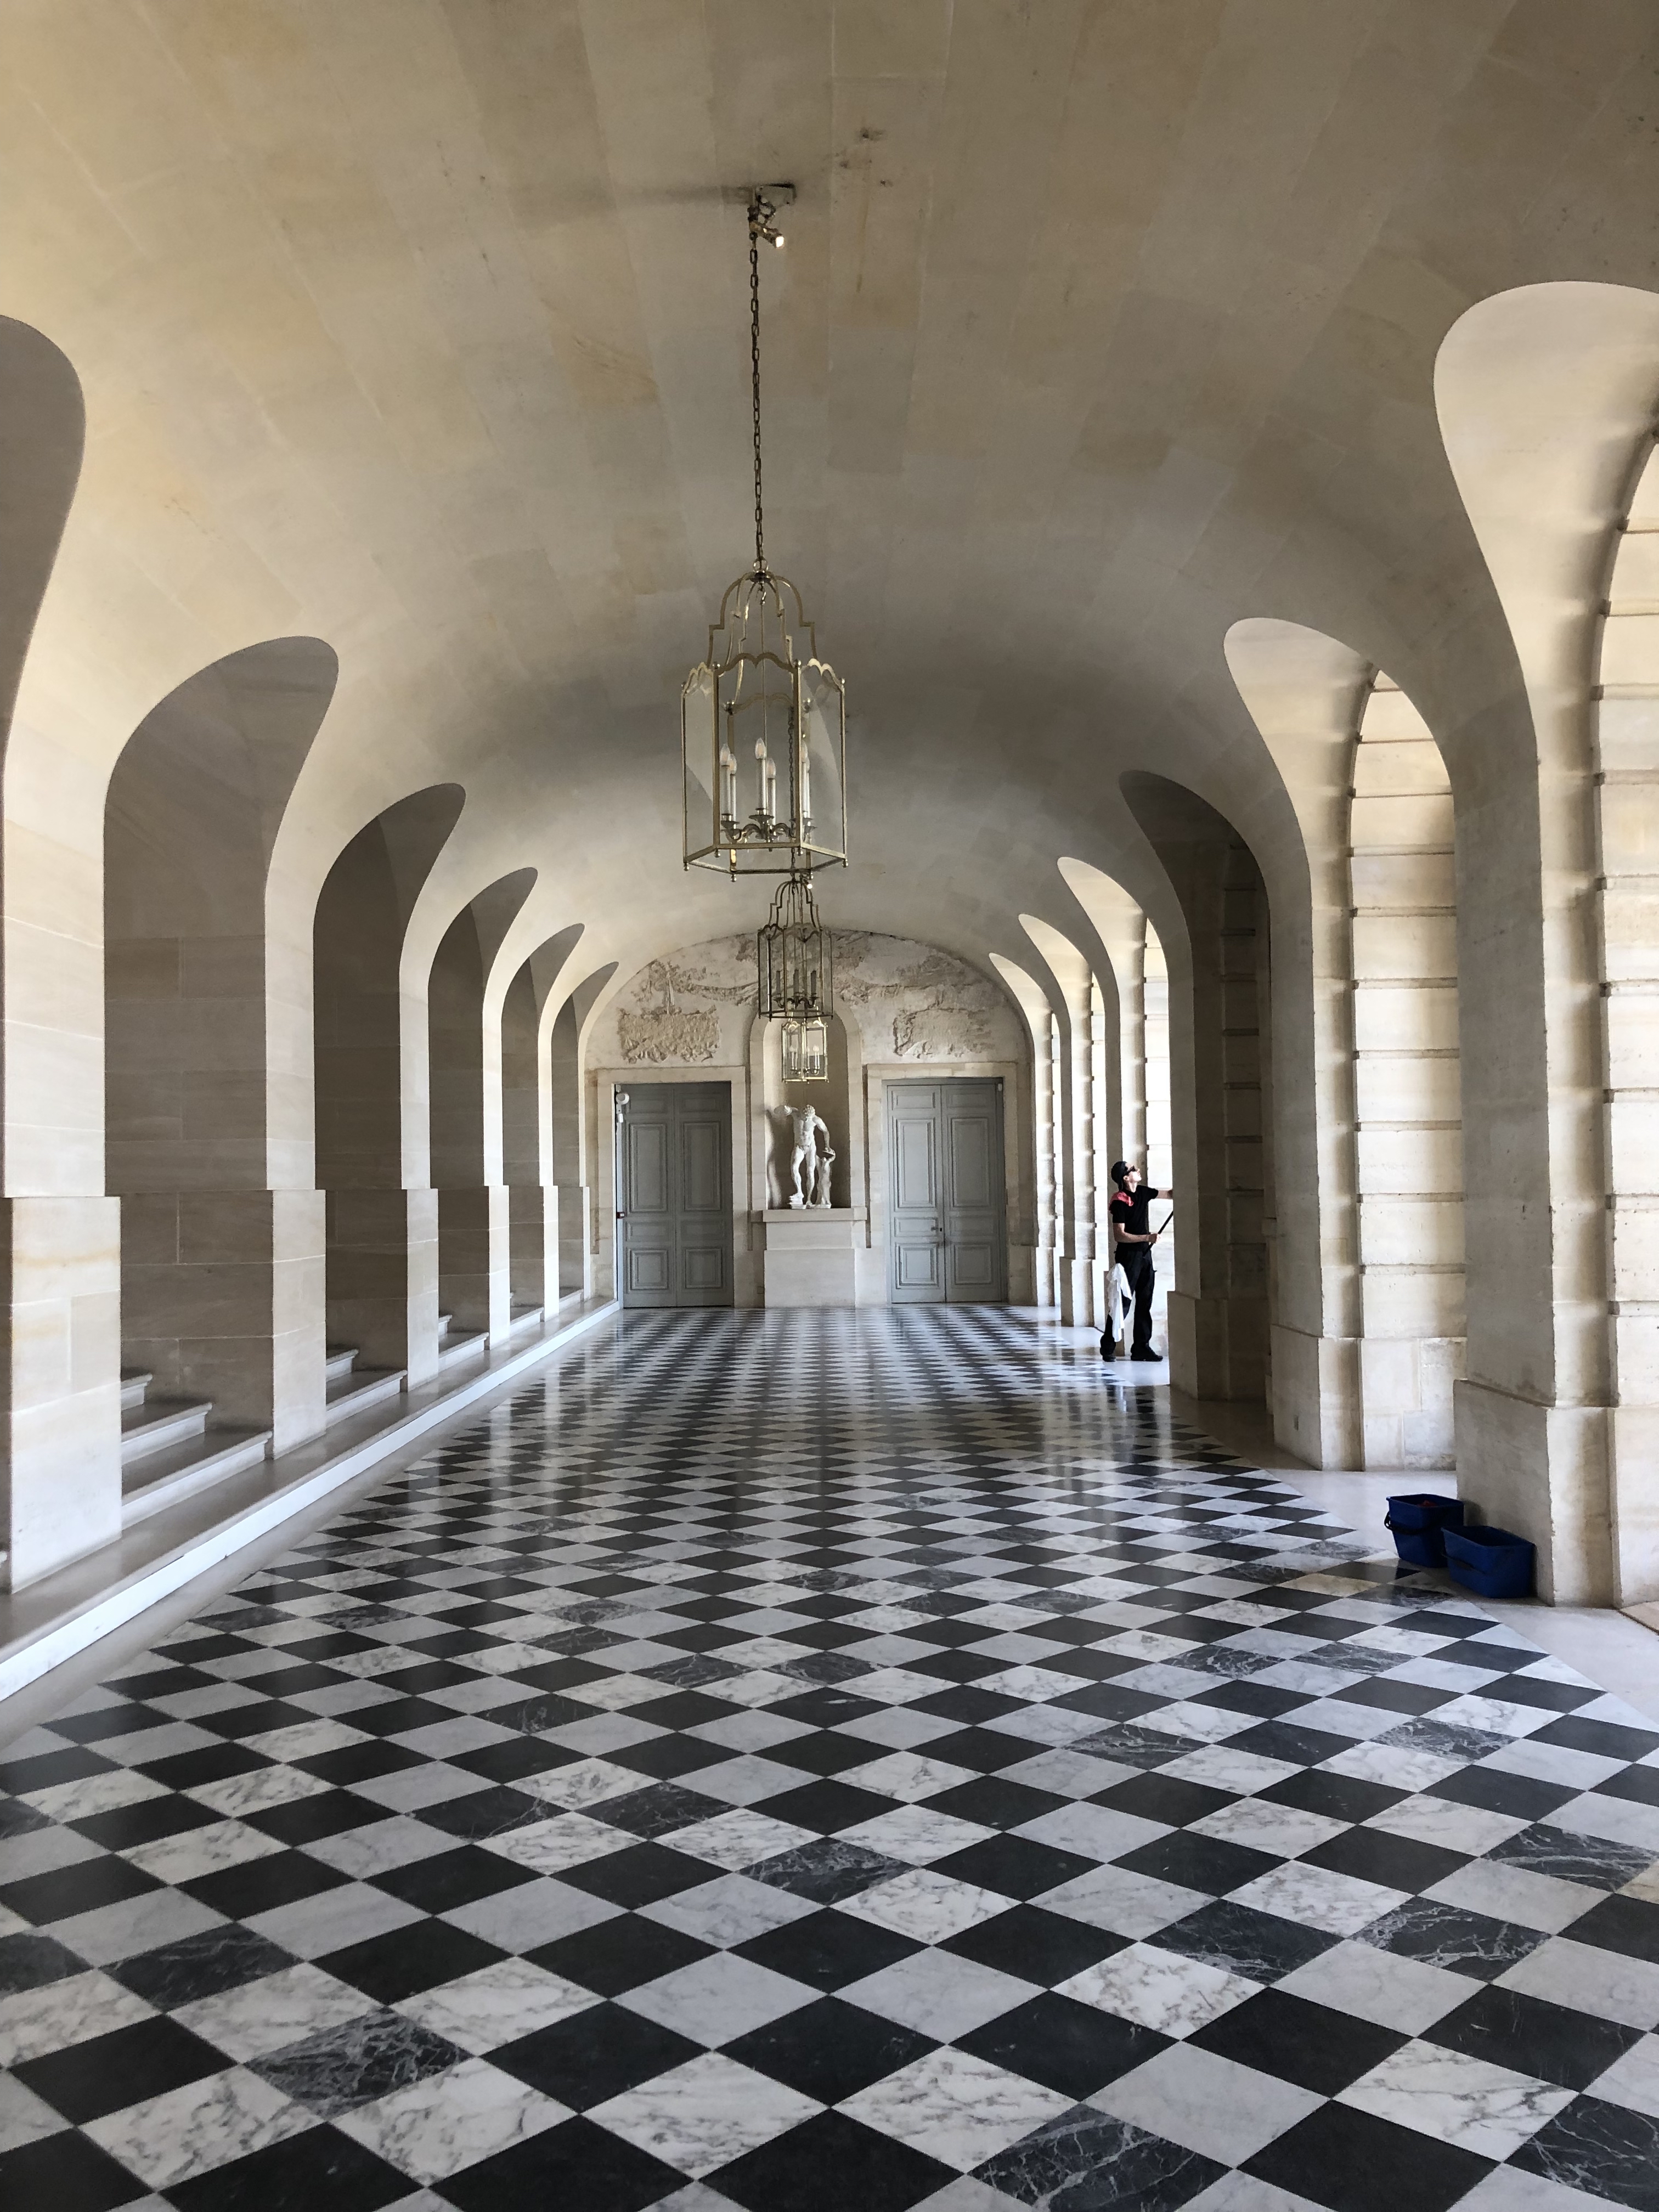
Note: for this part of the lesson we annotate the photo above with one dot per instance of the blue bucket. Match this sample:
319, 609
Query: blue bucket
1489, 1562
1418, 1523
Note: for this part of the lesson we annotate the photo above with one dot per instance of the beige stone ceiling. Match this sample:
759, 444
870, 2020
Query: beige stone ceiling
418, 325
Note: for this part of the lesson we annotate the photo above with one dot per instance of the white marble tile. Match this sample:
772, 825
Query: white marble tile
275, 2010
534, 1913
1438, 1820
1618, 1819
1159, 1989
1315, 1897
1553, 1762
1590, 1979
714, 1999
1457, 2099
412, 1789
24, 2118
1514, 1892
256, 1791
1239, 1773
739, 1838
1126, 1904
1097, 1830
908, 1776
1283, 1830
924, 1904
328, 1922
434, 2128
704, 2114
1211, 2105
137, 1924
306, 1739
1510, 2189
568, 1839
379, 1845
615, 1693
172, 2138
956, 2108
198, 1851
729, 1911
899, 1728
939, 1994
94, 1793
750, 1731
1382, 1987
586, 1782
496, 2004
916, 1834
1068, 1773
1235, 2193
1395, 1765
1633, 2080
1035, 1683
43, 1850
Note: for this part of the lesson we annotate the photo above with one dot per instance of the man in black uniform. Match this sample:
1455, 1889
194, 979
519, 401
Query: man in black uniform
1133, 1238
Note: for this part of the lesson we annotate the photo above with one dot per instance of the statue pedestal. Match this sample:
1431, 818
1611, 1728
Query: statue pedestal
811, 1254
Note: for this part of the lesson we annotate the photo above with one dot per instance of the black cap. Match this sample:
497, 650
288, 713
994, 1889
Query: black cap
1120, 1169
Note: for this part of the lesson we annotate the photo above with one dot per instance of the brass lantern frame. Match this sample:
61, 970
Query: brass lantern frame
794, 957
764, 696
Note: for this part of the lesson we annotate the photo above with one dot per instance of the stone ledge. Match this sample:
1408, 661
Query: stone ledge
50, 1620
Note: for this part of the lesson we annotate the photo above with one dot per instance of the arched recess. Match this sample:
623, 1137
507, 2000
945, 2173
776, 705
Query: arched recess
1627, 852
1220, 1316
526, 1145
382, 1235
1073, 1055
1546, 397
463, 1079
1373, 1384
60, 1484
222, 1265
1042, 1229
584, 1267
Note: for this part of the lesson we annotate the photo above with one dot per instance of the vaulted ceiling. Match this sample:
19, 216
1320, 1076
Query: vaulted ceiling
419, 327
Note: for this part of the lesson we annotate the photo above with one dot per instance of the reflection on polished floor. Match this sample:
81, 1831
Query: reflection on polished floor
797, 1760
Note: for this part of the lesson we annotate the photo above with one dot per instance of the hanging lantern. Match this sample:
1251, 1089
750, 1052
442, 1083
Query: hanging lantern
797, 984
763, 718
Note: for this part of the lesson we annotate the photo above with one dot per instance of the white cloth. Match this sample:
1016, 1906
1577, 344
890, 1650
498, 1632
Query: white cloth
1119, 1304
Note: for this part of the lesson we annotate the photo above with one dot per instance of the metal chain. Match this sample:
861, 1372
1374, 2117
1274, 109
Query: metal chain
756, 219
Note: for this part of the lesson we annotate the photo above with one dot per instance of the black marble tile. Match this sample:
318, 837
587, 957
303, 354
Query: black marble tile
65, 2173
827, 1949
317, 2168
1604, 2149
1088, 2160
1354, 2163
576, 2165
200, 1965
128, 2064
593, 2056
1236, 1937
341, 2068
1310, 2044
1509, 2028
1073, 2048
827, 2164
619, 1954
1447, 1935
829, 2049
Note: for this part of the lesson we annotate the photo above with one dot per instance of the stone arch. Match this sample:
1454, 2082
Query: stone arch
1548, 397
59, 1349
222, 1235
1047, 1138
1374, 804
382, 1233
1220, 1318
1073, 1057
463, 1103
526, 1132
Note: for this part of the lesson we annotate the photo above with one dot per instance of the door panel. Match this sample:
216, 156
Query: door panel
916, 1225
945, 1193
676, 1198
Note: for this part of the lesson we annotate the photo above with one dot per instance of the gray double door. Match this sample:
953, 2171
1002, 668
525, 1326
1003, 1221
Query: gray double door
674, 1194
946, 1194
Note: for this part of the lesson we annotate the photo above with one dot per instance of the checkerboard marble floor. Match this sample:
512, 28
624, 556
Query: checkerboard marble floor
797, 1761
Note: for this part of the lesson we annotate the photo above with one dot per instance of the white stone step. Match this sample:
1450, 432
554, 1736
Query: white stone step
446, 1323
524, 1317
134, 1383
358, 1389
163, 1478
157, 1426
339, 1362
456, 1351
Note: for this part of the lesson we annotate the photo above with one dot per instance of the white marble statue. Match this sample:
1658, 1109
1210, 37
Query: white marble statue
810, 1157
